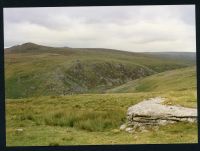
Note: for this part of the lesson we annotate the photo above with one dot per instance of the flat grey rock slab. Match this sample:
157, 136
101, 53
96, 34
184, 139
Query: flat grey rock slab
153, 112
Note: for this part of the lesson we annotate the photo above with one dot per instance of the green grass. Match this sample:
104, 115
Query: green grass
48, 136
67, 96
33, 70
174, 80
89, 119
96, 117
175, 85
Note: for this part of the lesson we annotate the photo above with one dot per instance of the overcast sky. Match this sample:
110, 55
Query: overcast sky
130, 28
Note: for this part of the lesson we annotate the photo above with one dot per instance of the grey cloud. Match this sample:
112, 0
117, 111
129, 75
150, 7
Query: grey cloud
151, 40
141, 28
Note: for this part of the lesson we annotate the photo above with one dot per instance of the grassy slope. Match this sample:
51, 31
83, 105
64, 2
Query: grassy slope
92, 118
86, 119
169, 84
33, 70
95, 118
177, 80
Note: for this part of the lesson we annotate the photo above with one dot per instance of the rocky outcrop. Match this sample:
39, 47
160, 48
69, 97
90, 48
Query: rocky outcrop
153, 113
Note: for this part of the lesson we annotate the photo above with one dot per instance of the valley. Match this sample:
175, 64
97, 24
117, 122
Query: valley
73, 96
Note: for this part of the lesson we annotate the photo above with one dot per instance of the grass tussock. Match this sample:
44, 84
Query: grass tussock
96, 118
85, 120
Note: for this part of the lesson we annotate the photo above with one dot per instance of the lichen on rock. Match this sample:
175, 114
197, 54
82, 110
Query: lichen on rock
151, 113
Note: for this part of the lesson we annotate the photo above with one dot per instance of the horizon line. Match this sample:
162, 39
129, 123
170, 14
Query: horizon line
140, 51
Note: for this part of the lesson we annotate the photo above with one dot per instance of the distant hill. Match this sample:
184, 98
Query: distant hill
25, 47
187, 56
32, 48
35, 70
